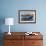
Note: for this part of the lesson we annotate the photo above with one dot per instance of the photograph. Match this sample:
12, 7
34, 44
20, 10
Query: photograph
27, 16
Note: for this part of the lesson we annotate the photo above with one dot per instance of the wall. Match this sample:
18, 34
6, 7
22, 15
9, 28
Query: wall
9, 8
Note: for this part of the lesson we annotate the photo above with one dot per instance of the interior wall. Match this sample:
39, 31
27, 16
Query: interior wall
9, 8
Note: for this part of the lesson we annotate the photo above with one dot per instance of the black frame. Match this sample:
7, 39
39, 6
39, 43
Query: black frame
26, 15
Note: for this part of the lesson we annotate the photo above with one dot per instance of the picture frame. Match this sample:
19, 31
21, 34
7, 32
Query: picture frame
27, 16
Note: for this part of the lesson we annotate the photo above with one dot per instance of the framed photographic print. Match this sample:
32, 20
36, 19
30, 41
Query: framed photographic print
27, 16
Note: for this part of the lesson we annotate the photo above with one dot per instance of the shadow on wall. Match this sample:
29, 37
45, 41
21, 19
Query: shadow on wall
2, 21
